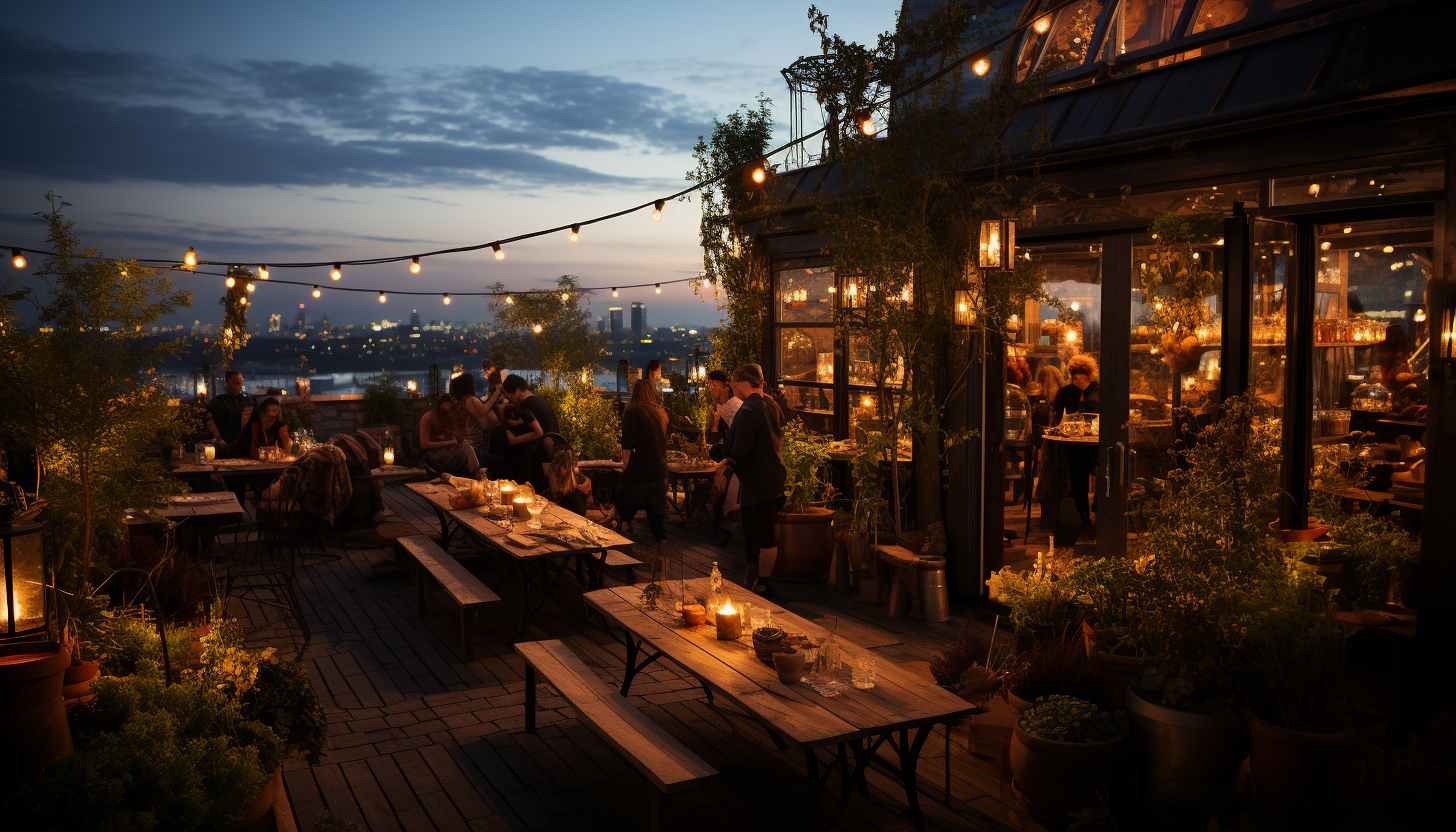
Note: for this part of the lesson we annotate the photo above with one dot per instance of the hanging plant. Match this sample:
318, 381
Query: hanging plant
235, 305
1178, 279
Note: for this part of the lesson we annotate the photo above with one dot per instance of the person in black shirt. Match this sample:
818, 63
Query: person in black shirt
1080, 396
755, 453
518, 392
227, 412
515, 438
644, 450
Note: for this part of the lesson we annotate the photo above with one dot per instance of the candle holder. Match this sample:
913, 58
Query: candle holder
729, 621
522, 507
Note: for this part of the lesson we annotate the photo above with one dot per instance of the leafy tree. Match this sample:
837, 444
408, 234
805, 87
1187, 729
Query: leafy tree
82, 389
731, 261
565, 343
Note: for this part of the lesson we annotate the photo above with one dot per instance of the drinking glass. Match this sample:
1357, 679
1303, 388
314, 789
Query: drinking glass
534, 508
864, 672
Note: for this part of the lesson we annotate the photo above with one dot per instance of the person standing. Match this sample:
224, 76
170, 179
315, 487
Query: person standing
754, 454
1079, 396
227, 412
479, 417
644, 455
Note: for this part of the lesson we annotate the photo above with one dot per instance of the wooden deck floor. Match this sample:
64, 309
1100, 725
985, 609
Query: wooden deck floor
422, 740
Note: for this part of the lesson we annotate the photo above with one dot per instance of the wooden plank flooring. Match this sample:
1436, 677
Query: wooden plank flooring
423, 740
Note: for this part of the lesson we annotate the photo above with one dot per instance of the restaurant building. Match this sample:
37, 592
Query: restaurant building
1323, 132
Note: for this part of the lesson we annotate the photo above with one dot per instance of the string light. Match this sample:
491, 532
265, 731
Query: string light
190, 258
230, 282
614, 291
575, 232
1042, 25
500, 253
250, 287
565, 298
336, 272
1346, 230
381, 297
510, 300
981, 66
536, 329
18, 260
1325, 246
657, 210
865, 122
317, 292
658, 287
759, 172
414, 265
447, 298
1389, 249
263, 272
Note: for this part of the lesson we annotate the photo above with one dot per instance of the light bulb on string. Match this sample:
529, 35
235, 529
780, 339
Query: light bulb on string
575, 233
981, 66
336, 272
1389, 249
658, 287
657, 210
414, 265
447, 298
381, 297
500, 253
250, 287
614, 291
263, 272
190, 258
317, 292
230, 282
565, 298
510, 300
17, 259
865, 122
536, 329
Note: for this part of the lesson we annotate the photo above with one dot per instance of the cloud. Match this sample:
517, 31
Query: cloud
99, 116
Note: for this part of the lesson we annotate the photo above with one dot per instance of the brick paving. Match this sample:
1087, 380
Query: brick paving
423, 740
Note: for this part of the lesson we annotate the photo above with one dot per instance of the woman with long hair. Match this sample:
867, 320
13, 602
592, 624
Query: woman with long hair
644, 452
570, 488
755, 454
265, 427
442, 439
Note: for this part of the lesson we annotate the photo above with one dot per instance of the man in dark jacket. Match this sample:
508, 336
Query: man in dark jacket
754, 453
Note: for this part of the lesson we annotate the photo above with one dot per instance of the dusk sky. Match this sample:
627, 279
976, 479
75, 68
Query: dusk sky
270, 131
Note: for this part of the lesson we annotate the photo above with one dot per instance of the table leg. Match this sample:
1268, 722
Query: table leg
811, 812
633, 666
909, 757
530, 698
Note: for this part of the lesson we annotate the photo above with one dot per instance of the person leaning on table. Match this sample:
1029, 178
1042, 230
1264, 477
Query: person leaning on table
227, 412
755, 445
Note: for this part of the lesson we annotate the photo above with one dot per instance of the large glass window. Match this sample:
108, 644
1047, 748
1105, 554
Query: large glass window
804, 295
1071, 37
1138, 24
1272, 259
1212, 14
1386, 180
804, 343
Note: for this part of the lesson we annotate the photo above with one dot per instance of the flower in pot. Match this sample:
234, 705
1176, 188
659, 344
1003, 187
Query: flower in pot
805, 533
1299, 724
1062, 750
1039, 603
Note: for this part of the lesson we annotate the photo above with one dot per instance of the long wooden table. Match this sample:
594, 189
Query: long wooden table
206, 516
598, 548
857, 722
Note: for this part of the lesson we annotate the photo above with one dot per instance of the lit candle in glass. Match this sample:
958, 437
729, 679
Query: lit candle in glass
388, 456
522, 505
729, 621
210, 452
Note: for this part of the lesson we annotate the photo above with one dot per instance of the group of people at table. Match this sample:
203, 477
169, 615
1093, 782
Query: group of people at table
510, 432
241, 426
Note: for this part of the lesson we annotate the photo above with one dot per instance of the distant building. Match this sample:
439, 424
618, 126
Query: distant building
601, 324
415, 318
616, 315
275, 322
300, 320
639, 319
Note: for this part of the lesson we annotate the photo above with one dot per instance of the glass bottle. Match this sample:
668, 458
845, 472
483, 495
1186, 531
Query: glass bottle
715, 589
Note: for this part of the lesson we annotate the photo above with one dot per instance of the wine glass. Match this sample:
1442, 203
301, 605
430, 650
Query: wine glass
534, 508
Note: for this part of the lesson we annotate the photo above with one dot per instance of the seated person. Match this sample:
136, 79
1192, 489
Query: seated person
265, 426
442, 440
570, 488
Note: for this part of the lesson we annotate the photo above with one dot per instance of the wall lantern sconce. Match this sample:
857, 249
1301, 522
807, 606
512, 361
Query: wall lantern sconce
965, 314
997, 244
25, 608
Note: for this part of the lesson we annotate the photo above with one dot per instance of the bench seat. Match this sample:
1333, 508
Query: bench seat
466, 590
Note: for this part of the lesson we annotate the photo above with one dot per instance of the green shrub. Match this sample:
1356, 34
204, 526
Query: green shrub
1069, 719
131, 644
588, 420
384, 402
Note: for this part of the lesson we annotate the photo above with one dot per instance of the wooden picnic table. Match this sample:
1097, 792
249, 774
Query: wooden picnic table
206, 511
599, 548
854, 722
230, 468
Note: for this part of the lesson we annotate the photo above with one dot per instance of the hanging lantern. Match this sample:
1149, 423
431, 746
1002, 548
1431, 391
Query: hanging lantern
197, 383
964, 314
997, 243
1448, 330
24, 602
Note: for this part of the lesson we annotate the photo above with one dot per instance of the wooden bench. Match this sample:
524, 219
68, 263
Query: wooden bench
670, 765
467, 591
901, 563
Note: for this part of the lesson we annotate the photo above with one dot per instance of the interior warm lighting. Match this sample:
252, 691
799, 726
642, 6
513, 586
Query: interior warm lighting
263, 272
536, 329
1314, 189
575, 233
316, 292
1325, 246
1388, 249
381, 297
230, 282
657, 210
190, 258
499, 252
336, 272
414, 265
981, 66
1346, 230
1042, 25
17, 259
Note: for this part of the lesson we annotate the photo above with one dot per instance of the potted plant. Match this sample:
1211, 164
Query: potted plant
1056, 665
1110, 592
805, 533
1299, 725
1062, 750
1039, 602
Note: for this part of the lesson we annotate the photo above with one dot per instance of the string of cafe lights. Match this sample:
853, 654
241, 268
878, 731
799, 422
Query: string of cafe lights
757, 171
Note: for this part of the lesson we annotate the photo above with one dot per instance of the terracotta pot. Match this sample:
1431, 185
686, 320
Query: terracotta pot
1114, 674
1054, 778
1017, 703
262, 805
1315, 530
1295, 769
806, 545
77, 683
33, 727
1184, 755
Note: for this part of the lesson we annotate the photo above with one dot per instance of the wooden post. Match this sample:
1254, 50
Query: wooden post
1298, 370
1237, 346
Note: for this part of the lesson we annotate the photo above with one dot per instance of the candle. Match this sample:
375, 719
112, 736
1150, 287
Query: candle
388, 456
210, 452
522, 505
729, 621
